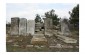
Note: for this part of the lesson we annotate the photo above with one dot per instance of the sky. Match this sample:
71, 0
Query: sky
29, 10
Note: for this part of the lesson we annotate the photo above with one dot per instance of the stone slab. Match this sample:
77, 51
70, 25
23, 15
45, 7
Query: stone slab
49, 33
30, 27
39, 40
23, 26
65, 27
67, 39
48, 23
14, 26
48, 26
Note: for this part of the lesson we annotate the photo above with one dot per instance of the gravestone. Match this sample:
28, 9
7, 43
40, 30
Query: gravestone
64, 27
15, 26
48, 26
30, 27
22, 27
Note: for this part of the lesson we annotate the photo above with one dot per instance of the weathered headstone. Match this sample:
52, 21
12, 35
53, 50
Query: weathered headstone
15, 26
64, 27
48, 26
30, 27
23, 27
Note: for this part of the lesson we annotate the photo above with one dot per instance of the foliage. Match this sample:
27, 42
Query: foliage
74, 16
38, 18
51, 14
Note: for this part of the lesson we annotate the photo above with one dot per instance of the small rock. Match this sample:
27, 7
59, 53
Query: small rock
29, 46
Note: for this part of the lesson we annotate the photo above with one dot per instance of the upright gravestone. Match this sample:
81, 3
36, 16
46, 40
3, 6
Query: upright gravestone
48, 23
48, 26
23, 27
30, 27
15, 26
64, 27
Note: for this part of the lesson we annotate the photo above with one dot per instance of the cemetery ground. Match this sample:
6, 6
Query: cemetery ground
23, 44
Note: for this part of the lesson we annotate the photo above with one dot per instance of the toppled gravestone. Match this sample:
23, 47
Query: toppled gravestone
67, 39
65, 32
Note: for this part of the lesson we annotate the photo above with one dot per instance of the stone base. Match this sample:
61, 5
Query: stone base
39, 40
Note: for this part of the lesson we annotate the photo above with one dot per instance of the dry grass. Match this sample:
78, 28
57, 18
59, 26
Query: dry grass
23, 41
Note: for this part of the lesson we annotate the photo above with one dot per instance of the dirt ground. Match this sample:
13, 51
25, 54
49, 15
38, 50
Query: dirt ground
23, 44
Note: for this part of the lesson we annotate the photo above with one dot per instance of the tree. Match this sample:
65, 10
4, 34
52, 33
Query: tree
74, 16
51, 14
37, 18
